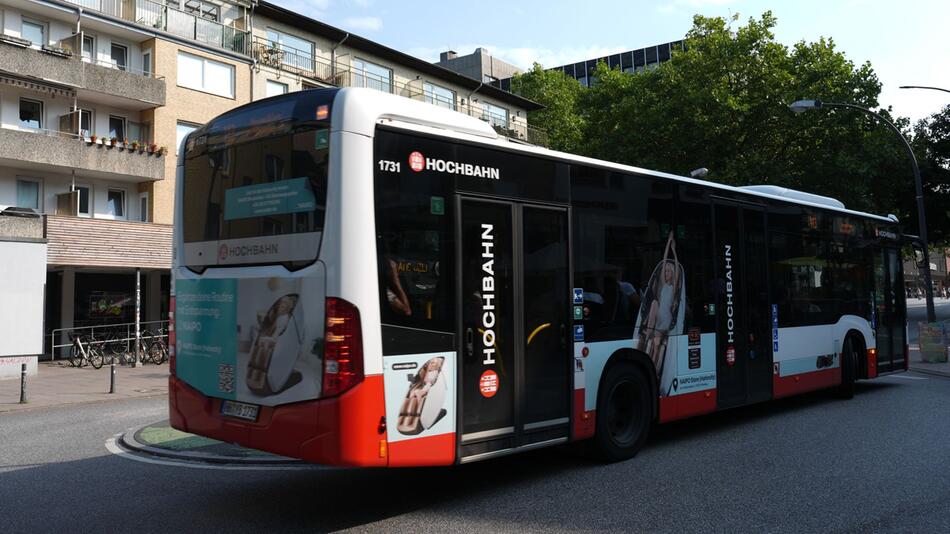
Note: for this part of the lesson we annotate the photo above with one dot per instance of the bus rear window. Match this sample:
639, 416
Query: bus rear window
257, 202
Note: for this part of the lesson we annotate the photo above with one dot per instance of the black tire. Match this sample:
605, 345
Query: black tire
849, 368
96, 358
156, 352
624, 413
75, 356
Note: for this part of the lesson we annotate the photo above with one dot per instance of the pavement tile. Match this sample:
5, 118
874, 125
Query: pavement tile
57, 384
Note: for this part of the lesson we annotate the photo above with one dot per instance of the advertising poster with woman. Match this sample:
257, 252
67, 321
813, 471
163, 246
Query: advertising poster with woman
662, 313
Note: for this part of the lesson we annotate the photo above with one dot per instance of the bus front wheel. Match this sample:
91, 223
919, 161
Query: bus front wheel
624, 413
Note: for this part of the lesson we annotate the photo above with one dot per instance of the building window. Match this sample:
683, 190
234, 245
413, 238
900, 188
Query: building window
495, 115
276, 88
206, 75
35, 32
297, 52
85, 122
367, 74
438, 95
117, 127
489, 79
89, 48
31, 113
205, 10
143, 207
28, 194
182, 130
115, 203
147, 63
85, 204
120, 57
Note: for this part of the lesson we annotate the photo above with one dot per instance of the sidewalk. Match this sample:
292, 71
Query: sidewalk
56, 383
942, 369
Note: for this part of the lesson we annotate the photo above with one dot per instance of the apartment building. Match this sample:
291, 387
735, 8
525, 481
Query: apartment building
292, 52
480, 65
96, 96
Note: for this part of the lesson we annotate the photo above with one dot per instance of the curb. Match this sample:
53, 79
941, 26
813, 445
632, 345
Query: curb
932, 372
128, 441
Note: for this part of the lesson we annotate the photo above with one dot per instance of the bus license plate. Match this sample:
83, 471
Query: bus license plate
239, 410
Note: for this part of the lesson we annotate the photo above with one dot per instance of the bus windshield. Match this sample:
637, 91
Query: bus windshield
257, 202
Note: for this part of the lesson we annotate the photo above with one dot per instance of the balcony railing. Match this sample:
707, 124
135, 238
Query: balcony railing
303, 63
173, 20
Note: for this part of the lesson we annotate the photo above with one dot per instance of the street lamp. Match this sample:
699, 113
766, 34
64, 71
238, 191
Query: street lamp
800, 106
925, 87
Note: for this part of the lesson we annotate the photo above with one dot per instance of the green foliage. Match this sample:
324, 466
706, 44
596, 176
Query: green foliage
559, 95
722, 103
932, 146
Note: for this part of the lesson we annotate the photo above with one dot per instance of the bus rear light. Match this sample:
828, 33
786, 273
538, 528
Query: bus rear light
171, 335
872, 363
342, 348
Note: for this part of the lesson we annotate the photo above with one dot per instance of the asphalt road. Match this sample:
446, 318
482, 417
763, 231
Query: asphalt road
879, 462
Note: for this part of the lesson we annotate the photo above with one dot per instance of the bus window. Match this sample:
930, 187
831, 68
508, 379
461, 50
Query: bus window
801, 280
415, 247
622, 226
694, 242
267, 188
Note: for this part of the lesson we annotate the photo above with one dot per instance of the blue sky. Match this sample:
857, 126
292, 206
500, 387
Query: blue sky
907, 42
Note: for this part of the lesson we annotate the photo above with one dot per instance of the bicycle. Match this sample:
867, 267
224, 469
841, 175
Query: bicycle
80, 354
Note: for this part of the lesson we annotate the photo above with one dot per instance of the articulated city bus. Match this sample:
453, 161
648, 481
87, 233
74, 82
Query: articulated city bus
364, 279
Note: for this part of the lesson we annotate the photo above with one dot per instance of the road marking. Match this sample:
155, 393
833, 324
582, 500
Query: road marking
905, 377
115, 449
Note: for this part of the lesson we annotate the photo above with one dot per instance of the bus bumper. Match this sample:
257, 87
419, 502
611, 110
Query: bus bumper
344, 430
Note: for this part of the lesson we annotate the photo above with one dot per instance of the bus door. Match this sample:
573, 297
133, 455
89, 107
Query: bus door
890, 310
744, 343
514, 293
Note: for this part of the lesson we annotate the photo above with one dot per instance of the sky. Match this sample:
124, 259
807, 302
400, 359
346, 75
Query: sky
906, 42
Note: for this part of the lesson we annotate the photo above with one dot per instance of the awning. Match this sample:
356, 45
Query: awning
37, 86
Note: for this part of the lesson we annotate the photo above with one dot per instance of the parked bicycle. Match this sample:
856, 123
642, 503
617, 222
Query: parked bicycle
82, 353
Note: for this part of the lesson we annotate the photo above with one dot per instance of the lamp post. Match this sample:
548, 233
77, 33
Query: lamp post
800, 106
925, 87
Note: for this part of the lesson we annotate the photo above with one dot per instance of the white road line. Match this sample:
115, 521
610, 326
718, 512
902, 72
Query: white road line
905, 377
114, 448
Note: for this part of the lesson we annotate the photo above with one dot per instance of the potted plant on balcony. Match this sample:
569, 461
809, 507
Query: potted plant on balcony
135, 146
152, 148
113, 141
162, 151
92, 139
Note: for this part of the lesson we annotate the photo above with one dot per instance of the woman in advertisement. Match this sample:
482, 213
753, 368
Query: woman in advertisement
662, 308
270, 369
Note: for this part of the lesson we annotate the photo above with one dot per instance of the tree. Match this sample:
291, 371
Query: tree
558, 93
722, 103
932, 146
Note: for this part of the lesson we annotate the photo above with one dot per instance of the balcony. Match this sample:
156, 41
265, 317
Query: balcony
303, 63
63, 152
84, 242
173, 20
59, 65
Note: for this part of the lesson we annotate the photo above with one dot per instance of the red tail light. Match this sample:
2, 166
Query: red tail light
342, 348
171, 335
872, 363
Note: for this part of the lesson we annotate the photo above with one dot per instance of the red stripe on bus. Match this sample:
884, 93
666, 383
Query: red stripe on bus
341, 430
687, 405
785, 386
432, 450
584, 421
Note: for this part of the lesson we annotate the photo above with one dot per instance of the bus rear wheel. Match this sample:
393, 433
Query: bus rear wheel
849, 368
624, 413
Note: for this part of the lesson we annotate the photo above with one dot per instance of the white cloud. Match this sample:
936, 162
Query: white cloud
362, 3
363, 23
525, 57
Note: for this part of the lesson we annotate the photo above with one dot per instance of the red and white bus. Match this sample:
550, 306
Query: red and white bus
363, 279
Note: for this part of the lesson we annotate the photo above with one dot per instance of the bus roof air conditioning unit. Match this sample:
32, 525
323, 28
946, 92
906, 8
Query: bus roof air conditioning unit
792, 194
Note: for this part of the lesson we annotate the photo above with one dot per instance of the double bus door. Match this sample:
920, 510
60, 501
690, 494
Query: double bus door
744, 341
890, 311
514, 293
